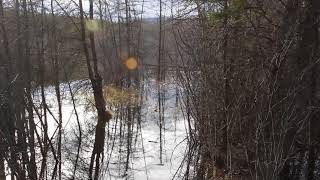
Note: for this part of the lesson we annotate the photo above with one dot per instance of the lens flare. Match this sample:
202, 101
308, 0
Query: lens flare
131, 63
92, 25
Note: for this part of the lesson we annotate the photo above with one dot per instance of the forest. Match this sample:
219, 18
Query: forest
159, 90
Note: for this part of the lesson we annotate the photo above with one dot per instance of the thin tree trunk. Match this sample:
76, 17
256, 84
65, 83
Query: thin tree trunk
96, 82
79, 129
2, 158
29, 104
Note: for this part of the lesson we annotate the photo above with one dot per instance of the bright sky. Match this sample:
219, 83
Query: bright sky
151, 7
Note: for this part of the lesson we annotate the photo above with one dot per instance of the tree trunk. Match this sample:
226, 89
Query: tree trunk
96, 82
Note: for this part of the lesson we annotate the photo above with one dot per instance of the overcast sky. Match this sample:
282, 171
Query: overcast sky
151, 7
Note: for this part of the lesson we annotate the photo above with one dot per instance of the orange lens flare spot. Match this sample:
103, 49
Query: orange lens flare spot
131, 63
